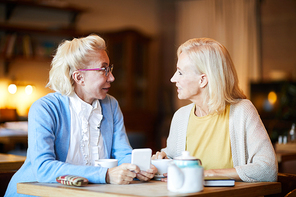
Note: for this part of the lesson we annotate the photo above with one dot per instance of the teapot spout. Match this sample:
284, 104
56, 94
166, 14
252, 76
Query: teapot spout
175, 179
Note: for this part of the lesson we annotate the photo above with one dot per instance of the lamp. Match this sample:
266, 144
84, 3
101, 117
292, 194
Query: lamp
12, 88
272, 97
29, 89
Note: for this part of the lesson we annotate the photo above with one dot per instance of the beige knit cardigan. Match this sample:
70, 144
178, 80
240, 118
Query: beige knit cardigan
252, 152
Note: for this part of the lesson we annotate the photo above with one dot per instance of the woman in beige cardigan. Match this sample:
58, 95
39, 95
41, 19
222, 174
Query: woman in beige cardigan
220, 127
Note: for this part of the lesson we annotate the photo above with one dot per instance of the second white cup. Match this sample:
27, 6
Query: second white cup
161, 165
107, 163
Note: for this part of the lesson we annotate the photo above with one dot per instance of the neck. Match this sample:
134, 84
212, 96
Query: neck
201, 110
82, 96
201, 107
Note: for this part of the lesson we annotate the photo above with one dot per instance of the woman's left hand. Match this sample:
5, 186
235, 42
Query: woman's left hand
230, 172
147, 175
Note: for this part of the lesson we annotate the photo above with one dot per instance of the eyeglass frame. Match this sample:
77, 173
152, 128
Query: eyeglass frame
106, 69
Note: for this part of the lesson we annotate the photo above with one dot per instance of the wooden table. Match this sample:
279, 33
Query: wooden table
11, 162
10, 137
151, 188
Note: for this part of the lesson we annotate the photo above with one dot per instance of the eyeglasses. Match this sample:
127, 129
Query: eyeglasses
106, 69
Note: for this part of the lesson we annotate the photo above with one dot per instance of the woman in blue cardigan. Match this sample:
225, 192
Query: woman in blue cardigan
79, 123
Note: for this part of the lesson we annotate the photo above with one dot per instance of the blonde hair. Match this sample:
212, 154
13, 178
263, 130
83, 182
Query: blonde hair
71, 56
212, 58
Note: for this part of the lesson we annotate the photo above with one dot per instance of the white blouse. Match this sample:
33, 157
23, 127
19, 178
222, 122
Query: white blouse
86, 142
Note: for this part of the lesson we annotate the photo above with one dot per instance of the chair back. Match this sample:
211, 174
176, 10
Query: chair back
288, 182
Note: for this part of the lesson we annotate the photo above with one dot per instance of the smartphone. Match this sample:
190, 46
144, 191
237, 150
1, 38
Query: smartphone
142, 158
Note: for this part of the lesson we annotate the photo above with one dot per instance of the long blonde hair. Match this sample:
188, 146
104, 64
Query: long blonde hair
212, 58
70, 56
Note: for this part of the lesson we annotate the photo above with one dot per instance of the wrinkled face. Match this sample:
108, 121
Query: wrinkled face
186, 78
95, 84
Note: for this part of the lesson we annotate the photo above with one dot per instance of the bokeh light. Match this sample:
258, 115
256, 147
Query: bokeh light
272, 97
29, 89
12, 88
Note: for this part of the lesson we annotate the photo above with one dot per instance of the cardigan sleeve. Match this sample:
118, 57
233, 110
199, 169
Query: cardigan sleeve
172, 140
176, 141
253, 154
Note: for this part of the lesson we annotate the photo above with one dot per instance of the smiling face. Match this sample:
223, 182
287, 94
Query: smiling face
187, 79
91, 85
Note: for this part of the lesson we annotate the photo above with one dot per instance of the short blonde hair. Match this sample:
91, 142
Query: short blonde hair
71, 56
212, 58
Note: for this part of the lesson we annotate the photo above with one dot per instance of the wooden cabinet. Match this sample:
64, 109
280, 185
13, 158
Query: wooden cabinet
62, 6
129, 51
31, 41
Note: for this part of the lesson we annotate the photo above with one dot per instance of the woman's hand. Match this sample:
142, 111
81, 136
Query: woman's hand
159, 155
147, 175
123, 174
231, 172
165, 179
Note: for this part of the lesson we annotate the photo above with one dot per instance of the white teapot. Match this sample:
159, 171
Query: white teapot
185, 174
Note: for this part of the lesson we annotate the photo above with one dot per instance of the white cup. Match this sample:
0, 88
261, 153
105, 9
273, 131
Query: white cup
161, 165
107, 163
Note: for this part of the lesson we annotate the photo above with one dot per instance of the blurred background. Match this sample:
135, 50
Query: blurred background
142, 37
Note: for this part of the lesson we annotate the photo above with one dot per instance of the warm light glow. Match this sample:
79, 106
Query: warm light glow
12, 88
20, 100
29, 89
272, 97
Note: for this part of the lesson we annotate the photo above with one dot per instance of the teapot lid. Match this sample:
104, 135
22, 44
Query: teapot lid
185, 156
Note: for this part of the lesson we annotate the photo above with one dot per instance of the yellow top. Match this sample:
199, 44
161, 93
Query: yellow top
208, 139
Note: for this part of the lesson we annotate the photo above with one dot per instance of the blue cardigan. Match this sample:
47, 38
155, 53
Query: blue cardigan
49, 138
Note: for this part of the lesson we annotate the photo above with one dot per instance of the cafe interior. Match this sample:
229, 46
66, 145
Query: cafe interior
142, 37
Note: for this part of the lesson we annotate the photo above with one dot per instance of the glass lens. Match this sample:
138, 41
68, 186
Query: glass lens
108, 69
